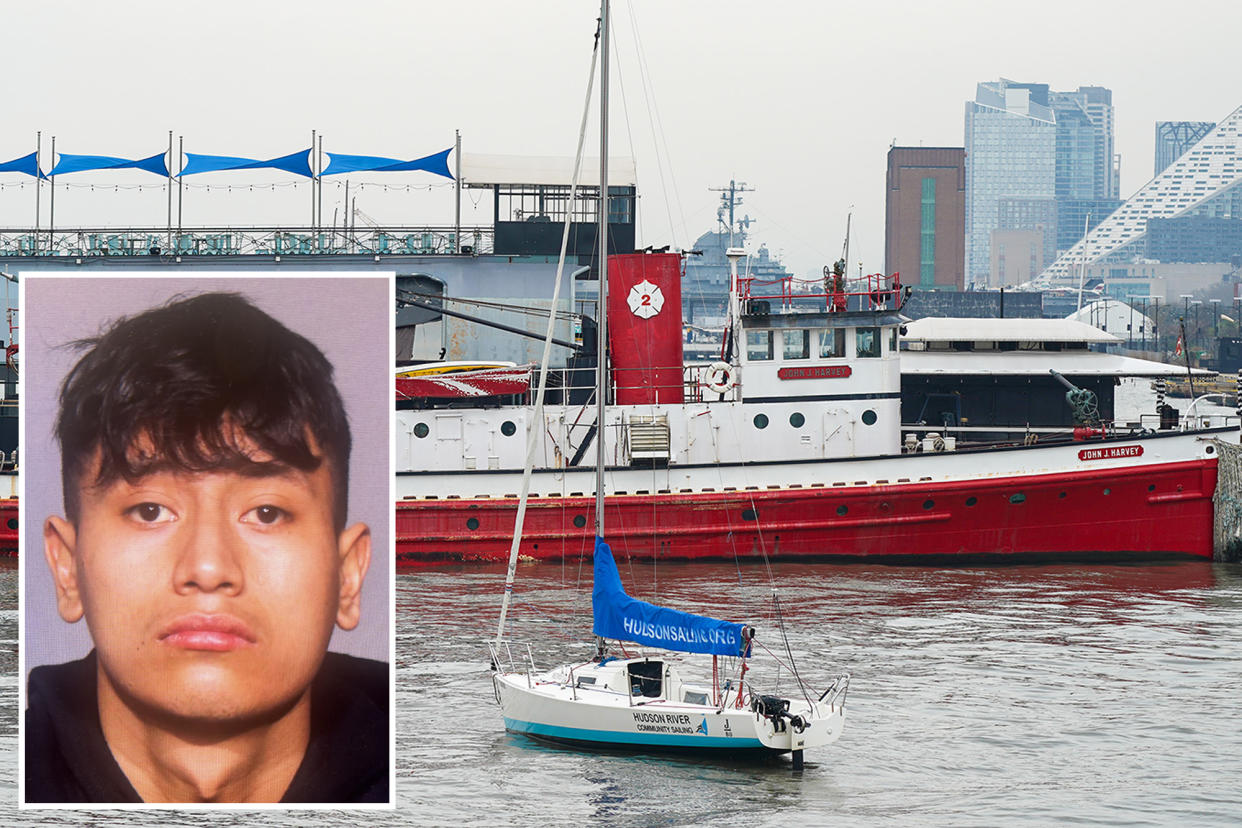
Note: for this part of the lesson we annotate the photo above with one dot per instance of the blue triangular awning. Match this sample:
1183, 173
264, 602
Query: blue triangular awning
81, 163
619, 616
297, 163
27, 164
436, 163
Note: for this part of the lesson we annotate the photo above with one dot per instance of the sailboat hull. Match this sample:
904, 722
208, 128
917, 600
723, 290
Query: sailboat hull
555, 707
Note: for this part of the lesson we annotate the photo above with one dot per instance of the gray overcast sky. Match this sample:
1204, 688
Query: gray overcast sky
801, 100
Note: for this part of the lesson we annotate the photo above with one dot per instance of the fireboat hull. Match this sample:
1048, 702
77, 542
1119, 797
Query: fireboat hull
1153, 501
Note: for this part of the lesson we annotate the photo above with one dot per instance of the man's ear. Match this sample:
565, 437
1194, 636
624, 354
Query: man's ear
59, 546
354, 547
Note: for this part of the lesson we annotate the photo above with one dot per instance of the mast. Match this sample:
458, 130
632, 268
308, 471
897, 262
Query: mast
532, 431
601, 351
1082, 268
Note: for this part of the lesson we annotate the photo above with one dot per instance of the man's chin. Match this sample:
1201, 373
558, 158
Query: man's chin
214, 695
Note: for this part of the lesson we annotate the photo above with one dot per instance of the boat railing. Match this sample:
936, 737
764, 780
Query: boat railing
289, 240
833, 293
835, 695
714, 381
928, 437
502, 657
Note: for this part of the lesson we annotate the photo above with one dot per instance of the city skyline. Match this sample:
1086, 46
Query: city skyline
780, 100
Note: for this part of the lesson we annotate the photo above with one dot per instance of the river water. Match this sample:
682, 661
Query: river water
1098, 695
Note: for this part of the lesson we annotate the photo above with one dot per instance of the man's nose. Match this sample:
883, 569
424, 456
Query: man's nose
209, 558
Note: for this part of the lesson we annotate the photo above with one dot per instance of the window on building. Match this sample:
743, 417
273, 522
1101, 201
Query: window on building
797, 344
867, 342
758, 345
927, 234
831, 343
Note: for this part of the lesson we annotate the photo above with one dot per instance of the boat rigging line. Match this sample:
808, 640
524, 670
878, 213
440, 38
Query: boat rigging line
532, 433
406, 299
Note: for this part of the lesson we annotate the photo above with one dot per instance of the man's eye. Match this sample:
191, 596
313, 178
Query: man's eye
150, 513
265, 515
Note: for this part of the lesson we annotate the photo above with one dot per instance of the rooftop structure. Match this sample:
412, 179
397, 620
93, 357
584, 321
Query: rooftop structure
1174, 138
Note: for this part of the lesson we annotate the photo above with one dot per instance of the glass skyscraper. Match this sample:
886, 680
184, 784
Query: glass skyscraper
1036, 160
1010, 154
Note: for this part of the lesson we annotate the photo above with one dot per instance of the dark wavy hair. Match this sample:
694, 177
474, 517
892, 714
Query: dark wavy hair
197, 385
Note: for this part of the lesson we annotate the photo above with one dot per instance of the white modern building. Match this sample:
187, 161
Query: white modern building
1210, 168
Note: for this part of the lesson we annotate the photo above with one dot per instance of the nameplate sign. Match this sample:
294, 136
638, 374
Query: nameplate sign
1109, 452
815, 372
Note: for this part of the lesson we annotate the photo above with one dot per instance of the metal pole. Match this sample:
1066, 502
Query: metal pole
180, 186
345, 220
312, 189
457, 188
51, 220
1082, 268
601, 351
38, 185
319, 185
1155, 324
168, 244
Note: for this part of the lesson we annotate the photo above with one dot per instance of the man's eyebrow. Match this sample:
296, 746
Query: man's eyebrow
268, 469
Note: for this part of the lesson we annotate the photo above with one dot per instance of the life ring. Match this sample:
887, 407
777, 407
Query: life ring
719, 377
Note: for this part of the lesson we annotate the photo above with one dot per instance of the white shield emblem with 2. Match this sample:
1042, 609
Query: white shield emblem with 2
645, 299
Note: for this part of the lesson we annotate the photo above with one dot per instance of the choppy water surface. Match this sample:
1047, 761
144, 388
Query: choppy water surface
1027, 694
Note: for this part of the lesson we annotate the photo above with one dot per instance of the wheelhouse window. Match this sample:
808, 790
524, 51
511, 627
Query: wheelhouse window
831, 342
892, 341
797, 344
867, 342
758, 345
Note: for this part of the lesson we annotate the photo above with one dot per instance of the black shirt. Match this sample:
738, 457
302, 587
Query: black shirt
68, 760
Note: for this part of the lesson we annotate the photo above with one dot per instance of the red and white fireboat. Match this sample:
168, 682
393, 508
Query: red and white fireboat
789, 447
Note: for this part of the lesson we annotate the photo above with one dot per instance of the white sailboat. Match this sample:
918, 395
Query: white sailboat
642, 701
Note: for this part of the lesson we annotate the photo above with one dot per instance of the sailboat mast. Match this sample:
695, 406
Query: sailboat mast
601, 351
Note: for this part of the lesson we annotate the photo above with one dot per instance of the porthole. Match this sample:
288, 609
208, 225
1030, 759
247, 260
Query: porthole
797, 420
971, 501
841, 510
472, 524
869, 417
1107, 492
1061, 495
929, 504
1210, 450
761, 421
421, 430
508, 428
1152, 487
1017, 498
12, 523
579, 521
749, 514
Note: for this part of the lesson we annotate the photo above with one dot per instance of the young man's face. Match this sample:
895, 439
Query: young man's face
209, 596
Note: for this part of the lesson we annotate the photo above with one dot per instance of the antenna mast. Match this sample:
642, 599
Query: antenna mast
730, 199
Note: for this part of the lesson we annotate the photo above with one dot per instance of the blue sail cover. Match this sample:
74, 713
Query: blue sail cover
26, 164
619, 616
339, 163
81, 163
297, 163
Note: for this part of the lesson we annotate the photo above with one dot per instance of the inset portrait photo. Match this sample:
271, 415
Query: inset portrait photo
206, 519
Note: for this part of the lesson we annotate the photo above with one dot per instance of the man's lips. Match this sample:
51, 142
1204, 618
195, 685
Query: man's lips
214, 633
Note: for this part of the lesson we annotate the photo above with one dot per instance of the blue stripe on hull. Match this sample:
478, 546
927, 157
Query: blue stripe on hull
614, 737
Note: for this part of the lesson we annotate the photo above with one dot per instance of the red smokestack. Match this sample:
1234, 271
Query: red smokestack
644, 327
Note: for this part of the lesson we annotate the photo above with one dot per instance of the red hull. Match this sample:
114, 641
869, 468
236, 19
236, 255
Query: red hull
1152, 511
8, 527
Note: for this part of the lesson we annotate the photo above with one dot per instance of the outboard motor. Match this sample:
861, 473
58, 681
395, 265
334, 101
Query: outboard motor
776, 710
